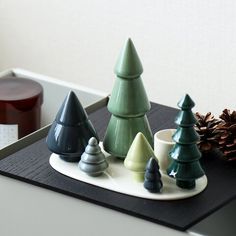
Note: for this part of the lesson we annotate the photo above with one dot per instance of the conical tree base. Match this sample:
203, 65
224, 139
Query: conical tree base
153, 186
127, 129
190, 184
186, 171
69, 158
71, 141
138, 176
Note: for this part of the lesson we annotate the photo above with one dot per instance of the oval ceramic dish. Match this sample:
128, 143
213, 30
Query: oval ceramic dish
117, 178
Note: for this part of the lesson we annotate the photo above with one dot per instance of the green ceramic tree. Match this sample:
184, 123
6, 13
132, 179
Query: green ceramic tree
185, 154
138, 155
128, 104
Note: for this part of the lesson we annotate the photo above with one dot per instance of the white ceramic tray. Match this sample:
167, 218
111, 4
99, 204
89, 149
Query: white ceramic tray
117, 178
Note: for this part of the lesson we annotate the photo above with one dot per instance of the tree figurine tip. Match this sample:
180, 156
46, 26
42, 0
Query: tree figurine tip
128, 65
186, 102
71, 111
71, 93
129, 40
152, 165
93, 141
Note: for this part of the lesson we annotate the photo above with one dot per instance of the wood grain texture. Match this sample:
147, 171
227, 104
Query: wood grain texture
30, 164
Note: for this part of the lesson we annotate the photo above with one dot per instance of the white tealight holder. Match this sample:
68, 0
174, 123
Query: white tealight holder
163, 144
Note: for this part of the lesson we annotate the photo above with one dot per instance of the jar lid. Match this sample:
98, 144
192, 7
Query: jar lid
23, 94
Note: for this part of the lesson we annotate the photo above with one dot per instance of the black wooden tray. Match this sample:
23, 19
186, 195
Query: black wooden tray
30, 164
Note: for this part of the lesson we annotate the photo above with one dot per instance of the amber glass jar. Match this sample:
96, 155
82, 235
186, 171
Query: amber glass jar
20, 106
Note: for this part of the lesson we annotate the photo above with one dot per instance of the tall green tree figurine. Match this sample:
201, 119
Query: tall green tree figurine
128, 104
185, 167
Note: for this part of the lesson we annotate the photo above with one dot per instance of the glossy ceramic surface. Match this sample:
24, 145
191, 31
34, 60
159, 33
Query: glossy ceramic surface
138, 155
93, 161
185, 167
71, 130
128, 104
128, 64
117, 178
121, 132
152, 177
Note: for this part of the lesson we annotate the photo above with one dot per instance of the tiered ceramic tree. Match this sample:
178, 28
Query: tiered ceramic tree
93, 161
128, 104
137, 157
152, 177
185, 154
71, 130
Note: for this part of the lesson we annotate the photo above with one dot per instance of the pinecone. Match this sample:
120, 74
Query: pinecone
227, 140
206, 127
228, 118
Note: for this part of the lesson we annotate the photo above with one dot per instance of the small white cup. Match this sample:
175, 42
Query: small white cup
163, 143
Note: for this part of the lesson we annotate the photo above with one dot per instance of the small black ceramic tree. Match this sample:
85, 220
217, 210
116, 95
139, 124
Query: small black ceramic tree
93, 161
71, 130
152, 178
185, 167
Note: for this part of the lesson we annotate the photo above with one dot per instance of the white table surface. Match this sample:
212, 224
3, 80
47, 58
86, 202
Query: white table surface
29, 210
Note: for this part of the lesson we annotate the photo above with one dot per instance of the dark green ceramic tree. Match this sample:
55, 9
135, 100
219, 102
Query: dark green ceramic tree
71, 130
128, 104
185, 154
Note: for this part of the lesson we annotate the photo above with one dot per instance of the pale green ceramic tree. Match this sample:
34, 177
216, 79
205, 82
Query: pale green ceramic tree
137, 157
128, 104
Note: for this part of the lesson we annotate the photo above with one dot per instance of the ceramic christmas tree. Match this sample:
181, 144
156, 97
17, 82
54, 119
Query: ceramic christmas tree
185, 153
152, 177
128, 104
71, 130
138, 155
93, 161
